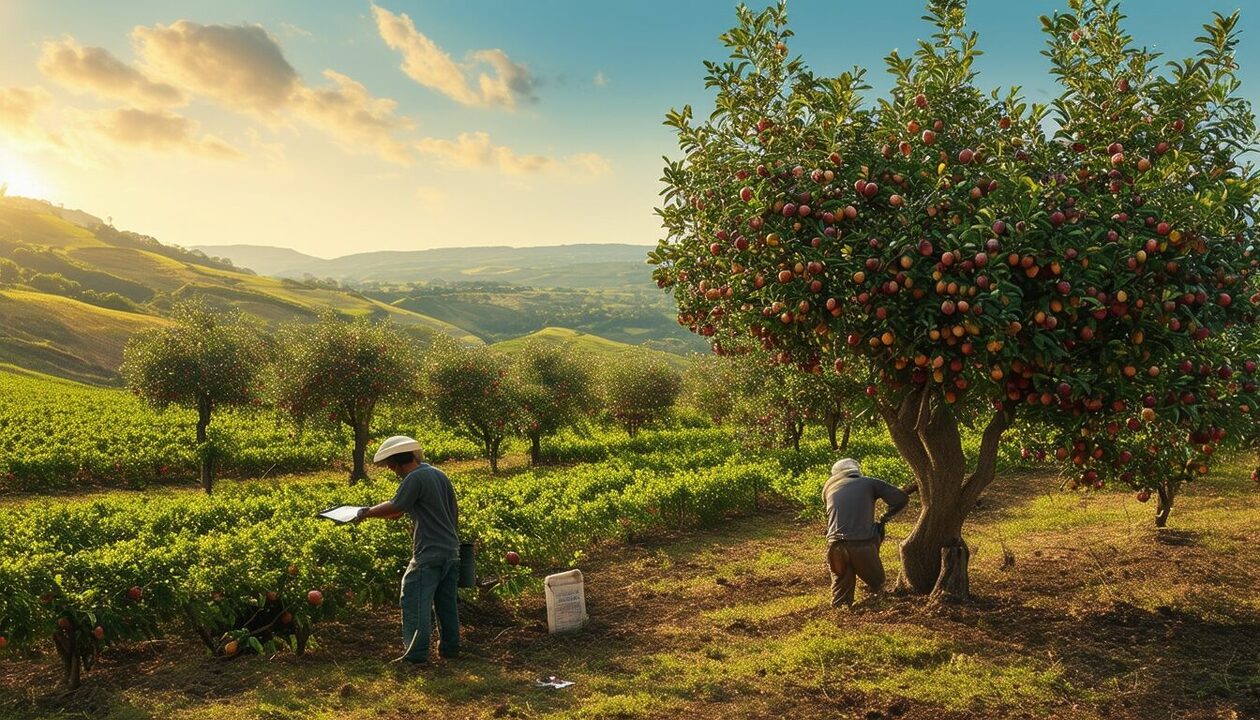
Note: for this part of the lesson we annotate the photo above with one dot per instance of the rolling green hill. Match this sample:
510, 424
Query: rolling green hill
589, 266
70, 295
593, 345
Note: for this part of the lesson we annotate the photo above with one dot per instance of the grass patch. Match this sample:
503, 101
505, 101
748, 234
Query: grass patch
763, 611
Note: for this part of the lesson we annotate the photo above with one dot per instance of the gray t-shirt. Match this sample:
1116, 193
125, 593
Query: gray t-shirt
427, 496
851, 506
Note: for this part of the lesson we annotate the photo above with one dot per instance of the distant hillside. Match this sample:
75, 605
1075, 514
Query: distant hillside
572, 266
592, 344
71, 295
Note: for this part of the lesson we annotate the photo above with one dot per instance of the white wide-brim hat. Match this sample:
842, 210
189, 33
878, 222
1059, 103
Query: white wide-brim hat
394, 445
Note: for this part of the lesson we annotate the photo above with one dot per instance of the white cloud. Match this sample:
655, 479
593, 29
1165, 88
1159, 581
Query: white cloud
241, 66
18, 109
476, 150
505, 85
161, 130
600, 80
351, 115
95, 70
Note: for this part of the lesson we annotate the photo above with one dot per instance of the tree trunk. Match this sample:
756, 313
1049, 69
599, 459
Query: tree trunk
359, 471
204, 407
925, 431
492, 449
832, 421
952, 583
1167, 492
844, 441
71, 662
535, 449
797, 429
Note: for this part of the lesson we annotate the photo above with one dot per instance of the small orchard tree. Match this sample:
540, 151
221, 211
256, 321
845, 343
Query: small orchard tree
556, 390
978, 270
711, 387
339, 371
205, 360
475, 392
639, 389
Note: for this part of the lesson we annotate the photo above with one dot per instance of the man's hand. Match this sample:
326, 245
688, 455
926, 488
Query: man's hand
361, 515
880, 530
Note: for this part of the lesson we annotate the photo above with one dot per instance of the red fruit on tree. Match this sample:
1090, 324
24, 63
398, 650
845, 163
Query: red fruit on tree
135, 593
512, 558
966, 155
315, 598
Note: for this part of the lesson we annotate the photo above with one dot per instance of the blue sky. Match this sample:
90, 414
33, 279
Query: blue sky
561, 158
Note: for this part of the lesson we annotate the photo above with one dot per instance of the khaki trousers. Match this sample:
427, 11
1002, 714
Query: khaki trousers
850, 560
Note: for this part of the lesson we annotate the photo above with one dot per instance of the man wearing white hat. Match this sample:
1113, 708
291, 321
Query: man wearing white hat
432, 577
853, 534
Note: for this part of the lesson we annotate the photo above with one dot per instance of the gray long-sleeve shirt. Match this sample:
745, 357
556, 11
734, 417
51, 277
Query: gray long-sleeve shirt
427, 496
851, 506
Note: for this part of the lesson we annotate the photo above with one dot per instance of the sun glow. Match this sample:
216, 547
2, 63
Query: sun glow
19, 178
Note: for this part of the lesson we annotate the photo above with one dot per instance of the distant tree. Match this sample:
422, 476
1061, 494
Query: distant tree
474, 391
339, 371
205, 360
556, 389
711, 387
10, 272
640, 389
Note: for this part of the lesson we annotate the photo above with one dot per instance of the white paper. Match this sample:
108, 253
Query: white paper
554, 683
342, 513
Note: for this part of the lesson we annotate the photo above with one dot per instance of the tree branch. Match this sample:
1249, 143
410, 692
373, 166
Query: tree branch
986, 464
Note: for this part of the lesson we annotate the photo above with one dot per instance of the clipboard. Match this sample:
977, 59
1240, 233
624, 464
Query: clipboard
341, 514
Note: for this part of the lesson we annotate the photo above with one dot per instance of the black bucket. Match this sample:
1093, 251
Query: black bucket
467, 565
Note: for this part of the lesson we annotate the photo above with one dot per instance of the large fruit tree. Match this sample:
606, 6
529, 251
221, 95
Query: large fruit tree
983, 259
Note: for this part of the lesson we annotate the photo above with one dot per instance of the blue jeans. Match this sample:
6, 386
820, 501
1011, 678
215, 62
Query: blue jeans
425, 585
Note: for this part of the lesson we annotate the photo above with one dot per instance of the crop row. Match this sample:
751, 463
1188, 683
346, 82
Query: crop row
251, 567
59, 435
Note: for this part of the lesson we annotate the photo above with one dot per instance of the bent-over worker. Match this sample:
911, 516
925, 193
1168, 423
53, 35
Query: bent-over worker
853, 533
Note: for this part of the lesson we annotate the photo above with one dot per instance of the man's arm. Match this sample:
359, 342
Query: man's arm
896, 499
386, 510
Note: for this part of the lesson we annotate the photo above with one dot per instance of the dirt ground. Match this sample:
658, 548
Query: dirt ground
1081, 610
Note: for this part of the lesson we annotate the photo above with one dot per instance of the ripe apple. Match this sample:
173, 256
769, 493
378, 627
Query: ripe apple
315, 598
966, 155
1143, 495
98, 632
4, 642
512, 558
286, 617
929, 137
746, 194
896, 200
135, 593
230, 648
63, 623
921, 100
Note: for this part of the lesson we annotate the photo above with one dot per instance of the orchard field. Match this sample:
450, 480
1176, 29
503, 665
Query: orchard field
707, 591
